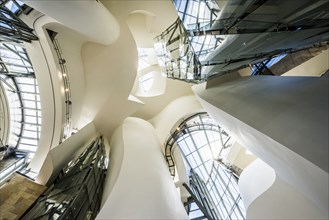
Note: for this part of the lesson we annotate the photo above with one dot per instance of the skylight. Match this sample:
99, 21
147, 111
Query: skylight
145, 58
22, 92
266, 64
13, 6
204, 146
146, 81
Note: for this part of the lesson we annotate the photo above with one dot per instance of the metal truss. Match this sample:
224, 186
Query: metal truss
66, 84
206, 26
176, 57
262, 69
12, 28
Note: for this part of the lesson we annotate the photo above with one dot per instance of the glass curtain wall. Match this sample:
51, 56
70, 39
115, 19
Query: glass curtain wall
204, 146
77, 191
21, 87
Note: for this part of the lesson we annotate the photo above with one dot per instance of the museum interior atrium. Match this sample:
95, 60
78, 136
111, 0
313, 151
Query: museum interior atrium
171, 109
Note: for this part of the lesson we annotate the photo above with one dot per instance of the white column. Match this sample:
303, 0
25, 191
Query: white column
143, 187
88, 17
283, 121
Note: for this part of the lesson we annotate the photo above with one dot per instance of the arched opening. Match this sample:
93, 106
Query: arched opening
212, 179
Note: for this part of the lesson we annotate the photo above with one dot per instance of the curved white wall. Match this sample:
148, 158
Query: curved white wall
254, 181
110, 73
140, 23
173, 112
87, 17
115, 162
50, 89
158, 86
62, 154
279, 126
267, 196
239, 156
70, 43
144, 188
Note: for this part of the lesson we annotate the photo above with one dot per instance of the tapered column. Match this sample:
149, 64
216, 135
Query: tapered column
139, 186
283, 121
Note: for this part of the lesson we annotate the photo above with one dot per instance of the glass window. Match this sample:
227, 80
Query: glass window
201, 144
11, 6
146, 81
23, 97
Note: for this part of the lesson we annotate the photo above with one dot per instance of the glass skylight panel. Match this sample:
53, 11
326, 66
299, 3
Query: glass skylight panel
12, 5
184, 148
28, 81
28, 133
195, 13
191, 161
15, 59
145, 57
199, 138
195, 211
205, 153
29, 104
30, 119
146, 81
203, 172
28, 141
28, 96
142, 59
27, 148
